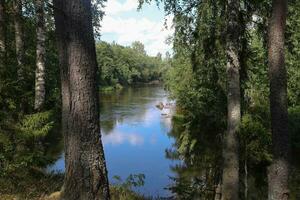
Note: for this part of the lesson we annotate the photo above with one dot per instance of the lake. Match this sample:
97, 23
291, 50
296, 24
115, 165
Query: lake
135, 136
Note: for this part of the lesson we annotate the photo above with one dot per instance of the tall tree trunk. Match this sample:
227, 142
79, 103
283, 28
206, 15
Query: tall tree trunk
18, 23
19, 45
230, 178
278, 171
3, 58
2, 32
40, 91
85, 173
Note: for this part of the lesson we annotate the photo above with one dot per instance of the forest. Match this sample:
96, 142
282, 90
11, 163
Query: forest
234, 73
128, 65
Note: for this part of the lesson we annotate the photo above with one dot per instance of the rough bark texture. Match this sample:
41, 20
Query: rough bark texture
278, 172
230, 178
85, 173
40, 91
17, 13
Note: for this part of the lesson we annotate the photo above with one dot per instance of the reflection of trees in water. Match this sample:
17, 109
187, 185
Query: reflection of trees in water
198, 150
198, 173
130, 104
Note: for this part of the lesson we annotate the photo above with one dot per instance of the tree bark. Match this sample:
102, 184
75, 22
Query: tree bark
85, 173
40, 82
19, 41
230, 178
246, 178
278, 171
2, 32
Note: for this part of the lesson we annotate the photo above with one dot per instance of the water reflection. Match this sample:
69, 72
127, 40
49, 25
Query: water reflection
116, 138
135, 136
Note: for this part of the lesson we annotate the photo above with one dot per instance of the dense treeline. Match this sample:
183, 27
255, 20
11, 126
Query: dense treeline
198, 80
128, 65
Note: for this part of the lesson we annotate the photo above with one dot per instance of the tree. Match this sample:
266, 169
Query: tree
278, 171
2, 46
85, 173
2, 32
19, 39
230, 184
17, 6
40, 81
139, 47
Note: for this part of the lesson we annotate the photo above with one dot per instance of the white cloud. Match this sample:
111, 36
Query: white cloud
152, 34
114, 6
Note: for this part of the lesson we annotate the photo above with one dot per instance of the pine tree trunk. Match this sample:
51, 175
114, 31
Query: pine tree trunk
17, 13
278, 171
40, 91
85, 173
230, 178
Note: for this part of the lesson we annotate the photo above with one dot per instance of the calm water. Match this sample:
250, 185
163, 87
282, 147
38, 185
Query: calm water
135, 136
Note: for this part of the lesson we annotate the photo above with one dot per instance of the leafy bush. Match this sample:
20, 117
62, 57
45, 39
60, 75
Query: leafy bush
123, 190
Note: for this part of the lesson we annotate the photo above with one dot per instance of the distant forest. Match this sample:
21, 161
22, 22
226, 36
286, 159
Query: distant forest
128, 65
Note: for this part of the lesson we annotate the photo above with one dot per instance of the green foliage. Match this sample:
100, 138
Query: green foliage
256, 138
36, 125
133, 180
293, 53
21, 144
127, 65
123, 190
196, 79
294, 127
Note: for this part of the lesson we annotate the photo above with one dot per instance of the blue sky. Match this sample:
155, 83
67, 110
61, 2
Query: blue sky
123, 24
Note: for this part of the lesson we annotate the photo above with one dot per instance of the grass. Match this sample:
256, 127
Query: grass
47, 188
30, 188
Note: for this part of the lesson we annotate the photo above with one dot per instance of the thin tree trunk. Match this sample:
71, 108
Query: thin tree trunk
20, 51
246, 178
230, 178
278, 172
3, 58
40, 82
18, 23
85, 173
2, 32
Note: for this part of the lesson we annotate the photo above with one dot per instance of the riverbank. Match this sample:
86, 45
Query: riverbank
118, 86
117, 193
48, 189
